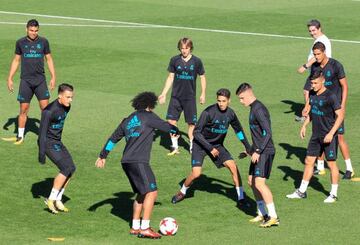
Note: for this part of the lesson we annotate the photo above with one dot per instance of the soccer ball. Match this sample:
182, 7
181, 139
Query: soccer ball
168, 226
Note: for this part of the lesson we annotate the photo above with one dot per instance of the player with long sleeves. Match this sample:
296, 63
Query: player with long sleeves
49, 141
138, 131
262, 156
209, 136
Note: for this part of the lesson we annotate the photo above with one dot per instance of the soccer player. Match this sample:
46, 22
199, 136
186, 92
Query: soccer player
30, 51
183, 70
315, 30
49, 141
335, 81
326, 115
138, 130
262, 155
209, 136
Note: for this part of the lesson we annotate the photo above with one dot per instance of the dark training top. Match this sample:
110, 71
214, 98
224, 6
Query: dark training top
260, 127
138, 130
322, 114
51, 125
184, 85
333, 71
213, 125
32, 58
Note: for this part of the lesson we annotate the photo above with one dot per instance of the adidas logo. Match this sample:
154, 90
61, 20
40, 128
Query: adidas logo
134, 122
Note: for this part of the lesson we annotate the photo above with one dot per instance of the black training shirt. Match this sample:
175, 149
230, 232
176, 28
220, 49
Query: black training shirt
51, 124
32, 58
185, 73
333, 71
213, 125
322, 114
138, 130
260, 127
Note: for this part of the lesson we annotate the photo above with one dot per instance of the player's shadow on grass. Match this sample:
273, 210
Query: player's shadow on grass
32, 125
296, 175
298, 152
122, 205
295, 107
213, 185
43, 188
165, 140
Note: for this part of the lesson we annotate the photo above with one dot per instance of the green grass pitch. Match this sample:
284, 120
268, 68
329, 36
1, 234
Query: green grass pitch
109, 65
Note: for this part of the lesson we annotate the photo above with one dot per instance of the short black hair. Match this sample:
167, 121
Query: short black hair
144, 100
315, 23
223, 92
320, 46
65, 87
242, 88
32, 22
316, 73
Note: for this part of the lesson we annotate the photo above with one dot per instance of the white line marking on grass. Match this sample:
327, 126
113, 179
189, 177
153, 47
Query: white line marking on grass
79, 25
174, 27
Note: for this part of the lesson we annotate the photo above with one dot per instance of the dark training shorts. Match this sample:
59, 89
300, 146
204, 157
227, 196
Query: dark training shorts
176, 106
141, 177
263, 167
59, 155
341, 129
27, 89
198, 154
317, 146
307, 85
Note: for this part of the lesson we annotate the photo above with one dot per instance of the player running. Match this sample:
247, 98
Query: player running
138, 130
210, 133
30, 51
262, 155
49, 141
183, 70
336, 82
326, 115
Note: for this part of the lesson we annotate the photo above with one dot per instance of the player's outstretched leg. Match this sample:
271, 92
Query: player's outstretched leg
180, 195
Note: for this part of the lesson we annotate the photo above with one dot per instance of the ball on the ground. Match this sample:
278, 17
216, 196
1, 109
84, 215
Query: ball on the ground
168, 226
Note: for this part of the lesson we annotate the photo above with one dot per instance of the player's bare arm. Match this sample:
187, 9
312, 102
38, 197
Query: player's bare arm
51, 68
13, 67
168, 83
203, 89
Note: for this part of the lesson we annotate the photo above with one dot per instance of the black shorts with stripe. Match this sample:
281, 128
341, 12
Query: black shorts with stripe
198, 154
60, 156
317, 146
263, 167
176, 106
27, 89
141, 177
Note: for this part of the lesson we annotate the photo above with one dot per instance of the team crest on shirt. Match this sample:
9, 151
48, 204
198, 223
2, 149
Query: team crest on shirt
38, 46
191, 67
321, 102
328, 73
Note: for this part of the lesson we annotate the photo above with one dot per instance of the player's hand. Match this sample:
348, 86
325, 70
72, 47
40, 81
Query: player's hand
305, 111
52, 84
10, 85
100, 163
243, 155
215, 152
255, 157
328, 138
302, 132
301, 70
202, 99
162, 99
